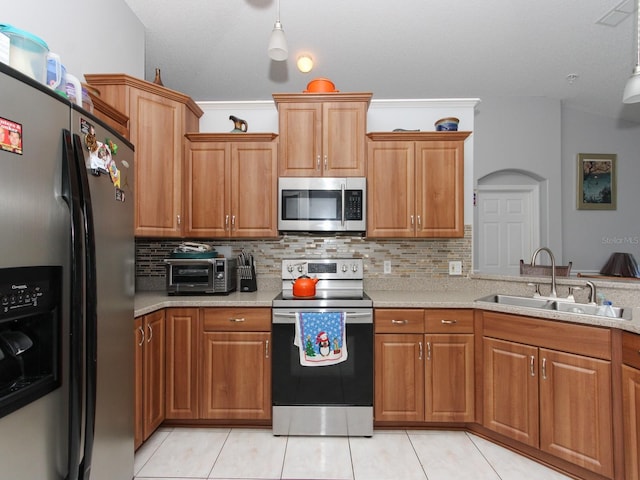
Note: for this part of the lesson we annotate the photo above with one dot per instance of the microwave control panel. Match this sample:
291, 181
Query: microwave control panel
353, 205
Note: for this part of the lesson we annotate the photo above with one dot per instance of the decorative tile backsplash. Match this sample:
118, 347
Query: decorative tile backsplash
410, 258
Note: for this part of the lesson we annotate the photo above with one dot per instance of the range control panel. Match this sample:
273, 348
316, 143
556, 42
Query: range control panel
326, 268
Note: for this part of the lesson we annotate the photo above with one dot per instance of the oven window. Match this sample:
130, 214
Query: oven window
311, 205
348, 383
190, 274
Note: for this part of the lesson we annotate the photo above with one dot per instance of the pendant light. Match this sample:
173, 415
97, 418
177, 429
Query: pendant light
632, 89
278, 43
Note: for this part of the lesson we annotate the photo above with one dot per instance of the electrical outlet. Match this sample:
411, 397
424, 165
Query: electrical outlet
387, 266
455, 268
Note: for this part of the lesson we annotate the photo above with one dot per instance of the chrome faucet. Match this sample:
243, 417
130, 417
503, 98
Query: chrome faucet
592, 292
554, 292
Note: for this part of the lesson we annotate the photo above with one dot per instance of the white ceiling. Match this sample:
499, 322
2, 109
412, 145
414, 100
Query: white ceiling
217, 50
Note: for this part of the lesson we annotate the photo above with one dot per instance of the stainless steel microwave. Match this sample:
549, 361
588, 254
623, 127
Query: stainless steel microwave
322, 204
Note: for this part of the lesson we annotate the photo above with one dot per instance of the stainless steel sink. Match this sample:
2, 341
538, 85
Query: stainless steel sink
588, 309
558, 305
517, 301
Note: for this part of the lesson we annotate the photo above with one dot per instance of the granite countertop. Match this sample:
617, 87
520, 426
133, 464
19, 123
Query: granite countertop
147, 302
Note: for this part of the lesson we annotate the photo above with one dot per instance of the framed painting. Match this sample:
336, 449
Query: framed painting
596, 181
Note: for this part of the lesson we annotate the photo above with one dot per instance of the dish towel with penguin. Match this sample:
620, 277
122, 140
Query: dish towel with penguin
321, 338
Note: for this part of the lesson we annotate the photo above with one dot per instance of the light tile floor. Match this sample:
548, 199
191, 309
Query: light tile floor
233, 453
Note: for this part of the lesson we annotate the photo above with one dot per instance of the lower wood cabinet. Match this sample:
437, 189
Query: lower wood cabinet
182, 393
235, 364
544, 386
149, 375
631, 404
424, 377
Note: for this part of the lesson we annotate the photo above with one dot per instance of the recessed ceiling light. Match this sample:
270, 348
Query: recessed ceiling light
305, 63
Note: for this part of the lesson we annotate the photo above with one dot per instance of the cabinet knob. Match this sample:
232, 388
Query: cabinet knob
178, 219
326, 163
318, 162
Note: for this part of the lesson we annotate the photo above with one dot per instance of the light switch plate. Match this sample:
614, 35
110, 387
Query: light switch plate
387, 266
455, 268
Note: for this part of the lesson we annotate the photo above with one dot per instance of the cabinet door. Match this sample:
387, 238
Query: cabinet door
343, 139
156, 131
181, 362
236, 376
138, 411
153, 372
440, 188
631, 415
399, 377
300, 129
390, 189
575, 410
449, 384
207, 190
254, 187
511, 390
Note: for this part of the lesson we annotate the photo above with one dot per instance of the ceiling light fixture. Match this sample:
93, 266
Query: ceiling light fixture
278, 43
305, 63
632, 89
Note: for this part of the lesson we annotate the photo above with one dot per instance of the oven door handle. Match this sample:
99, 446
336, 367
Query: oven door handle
352, 317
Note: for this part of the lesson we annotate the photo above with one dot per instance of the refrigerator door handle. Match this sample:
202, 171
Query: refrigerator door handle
71, 195
91, 310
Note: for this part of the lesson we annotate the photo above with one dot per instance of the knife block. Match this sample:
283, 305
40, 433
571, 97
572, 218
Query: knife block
248, 281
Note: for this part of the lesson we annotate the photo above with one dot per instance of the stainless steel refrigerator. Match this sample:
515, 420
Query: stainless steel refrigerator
66, 289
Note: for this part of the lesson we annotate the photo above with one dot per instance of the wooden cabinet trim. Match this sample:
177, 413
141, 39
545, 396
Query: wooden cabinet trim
322, 97
418, 136
98, 79
580, 339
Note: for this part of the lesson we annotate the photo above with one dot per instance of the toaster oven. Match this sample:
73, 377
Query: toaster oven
200, 276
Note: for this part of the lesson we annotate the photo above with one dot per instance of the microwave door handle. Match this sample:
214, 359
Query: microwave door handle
342, 187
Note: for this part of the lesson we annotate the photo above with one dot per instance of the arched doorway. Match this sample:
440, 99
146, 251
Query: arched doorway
507, 219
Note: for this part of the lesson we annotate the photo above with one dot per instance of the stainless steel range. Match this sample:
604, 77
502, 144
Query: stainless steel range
330, 399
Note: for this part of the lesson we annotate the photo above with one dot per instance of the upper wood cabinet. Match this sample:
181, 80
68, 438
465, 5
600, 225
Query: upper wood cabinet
231, 185
322, 134
158, 119
415, 184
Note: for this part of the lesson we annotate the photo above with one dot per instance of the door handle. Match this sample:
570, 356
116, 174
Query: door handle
532, 361
150, 333
544, 368
266, 349
428, 350
419, 350
141, 336
318, 162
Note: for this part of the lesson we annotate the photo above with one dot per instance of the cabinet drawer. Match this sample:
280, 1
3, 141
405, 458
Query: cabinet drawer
399, 320
441, 320
631, 349
236, 319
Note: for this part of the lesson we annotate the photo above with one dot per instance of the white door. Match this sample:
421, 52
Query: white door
507, 227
